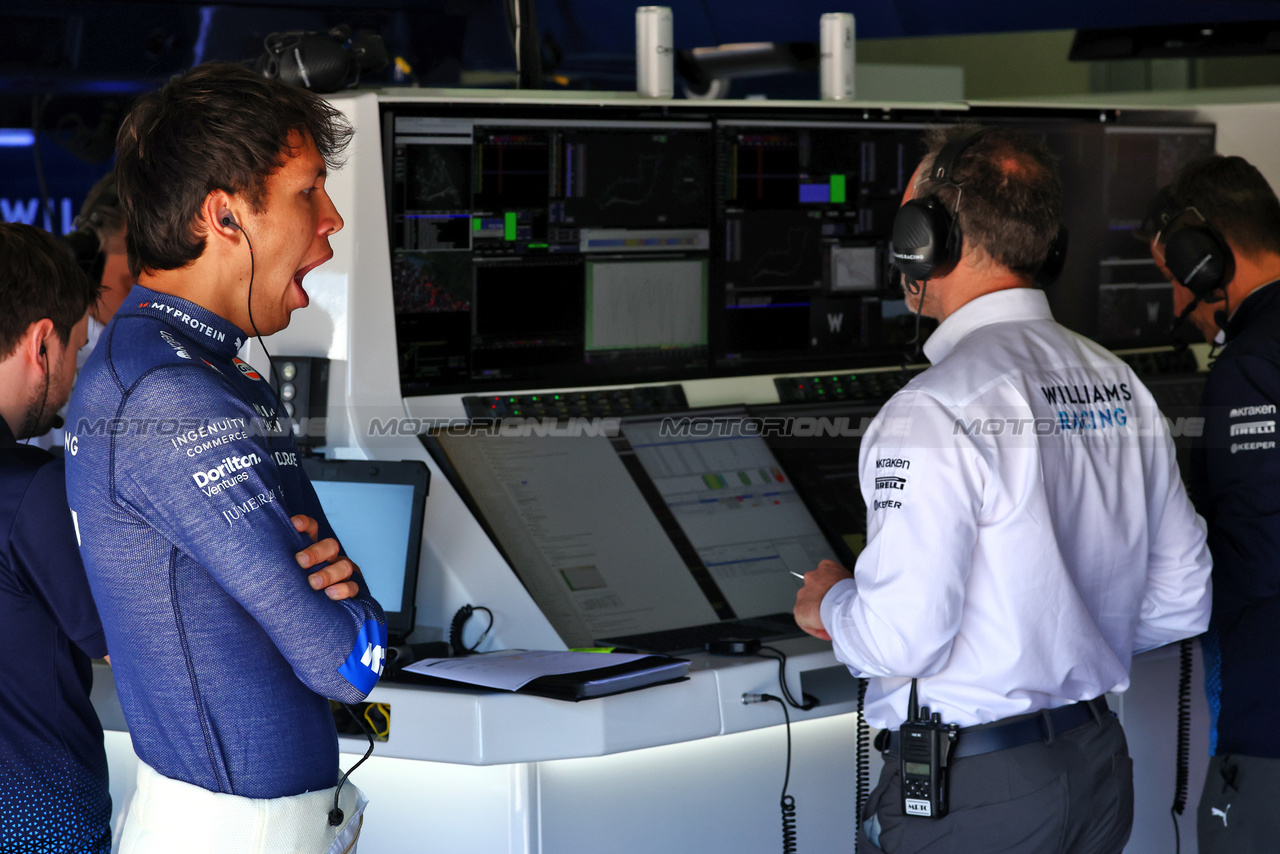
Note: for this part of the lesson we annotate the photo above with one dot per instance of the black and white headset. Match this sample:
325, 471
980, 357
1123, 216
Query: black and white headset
927, 242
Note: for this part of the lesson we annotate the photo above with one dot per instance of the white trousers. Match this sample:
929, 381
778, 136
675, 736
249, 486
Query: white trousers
167, 816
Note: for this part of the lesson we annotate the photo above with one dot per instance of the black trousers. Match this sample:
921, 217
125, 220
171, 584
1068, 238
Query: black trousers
1074, 796
1237, 812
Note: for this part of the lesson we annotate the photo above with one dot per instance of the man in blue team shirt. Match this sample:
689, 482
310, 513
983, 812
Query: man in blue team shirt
181, 483
1221, 209
53, 770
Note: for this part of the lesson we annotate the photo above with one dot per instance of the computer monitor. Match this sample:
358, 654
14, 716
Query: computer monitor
671, 522
803, 227
547, 252
818, 445
1135, 302
553, 247
375, 508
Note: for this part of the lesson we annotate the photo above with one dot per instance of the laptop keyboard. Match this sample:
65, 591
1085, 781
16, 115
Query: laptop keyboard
695, 638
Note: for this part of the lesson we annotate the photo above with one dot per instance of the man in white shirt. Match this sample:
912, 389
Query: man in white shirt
1028, 531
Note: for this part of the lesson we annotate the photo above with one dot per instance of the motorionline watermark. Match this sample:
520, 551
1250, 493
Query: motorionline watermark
1099, 423
788, 427
506, 427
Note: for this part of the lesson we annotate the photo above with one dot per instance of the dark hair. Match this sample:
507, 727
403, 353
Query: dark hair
1233, 197
101, 212
39, 279
1009, 193
216, 127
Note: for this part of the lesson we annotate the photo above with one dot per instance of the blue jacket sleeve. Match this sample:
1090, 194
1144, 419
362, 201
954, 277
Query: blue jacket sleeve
228, 508
43, 539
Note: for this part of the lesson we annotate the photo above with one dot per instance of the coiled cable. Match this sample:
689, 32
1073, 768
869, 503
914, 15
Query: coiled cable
863, 760
787, 802
460, 620
1184, 740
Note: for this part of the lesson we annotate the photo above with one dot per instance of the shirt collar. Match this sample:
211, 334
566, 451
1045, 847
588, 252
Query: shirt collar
1011, 304
1256, 300
211, 331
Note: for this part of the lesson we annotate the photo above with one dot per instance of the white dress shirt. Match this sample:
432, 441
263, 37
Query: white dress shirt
1027, 530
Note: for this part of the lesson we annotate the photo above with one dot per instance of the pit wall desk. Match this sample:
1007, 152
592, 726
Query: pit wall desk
675, 768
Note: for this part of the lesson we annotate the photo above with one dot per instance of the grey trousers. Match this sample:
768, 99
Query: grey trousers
1237, 812
1074, 796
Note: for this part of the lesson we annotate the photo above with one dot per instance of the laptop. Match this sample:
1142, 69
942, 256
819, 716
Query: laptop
376, 507
661, 535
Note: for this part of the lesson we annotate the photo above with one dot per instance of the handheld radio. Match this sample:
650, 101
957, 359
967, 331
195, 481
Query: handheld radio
924, 748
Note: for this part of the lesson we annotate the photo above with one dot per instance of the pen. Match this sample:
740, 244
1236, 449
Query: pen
796, 574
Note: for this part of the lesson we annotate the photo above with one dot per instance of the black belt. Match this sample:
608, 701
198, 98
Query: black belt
1023, 729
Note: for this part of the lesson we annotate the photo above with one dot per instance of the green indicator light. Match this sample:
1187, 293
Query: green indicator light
535, 398
509, 231
557, 397
475, 223
539, 245
837, 189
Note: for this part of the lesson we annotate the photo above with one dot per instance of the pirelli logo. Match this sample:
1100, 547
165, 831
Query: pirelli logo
1253, 428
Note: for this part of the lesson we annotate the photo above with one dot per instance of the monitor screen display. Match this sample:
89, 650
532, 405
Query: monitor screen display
372, 522
547, 252
542, 248
668, 523
376, 508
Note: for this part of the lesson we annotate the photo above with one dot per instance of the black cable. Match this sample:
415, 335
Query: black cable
460, 620
1184, 740
779, 656
273, 422
336, 814
862, 761
787, 802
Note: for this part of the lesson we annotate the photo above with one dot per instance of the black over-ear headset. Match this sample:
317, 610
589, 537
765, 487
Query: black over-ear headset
322, 61
927, 242
926, 236
1194, 251
85, 243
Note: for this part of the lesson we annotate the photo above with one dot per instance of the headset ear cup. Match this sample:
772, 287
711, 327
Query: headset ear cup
1199, 260
316, 62
924, 239
85, 247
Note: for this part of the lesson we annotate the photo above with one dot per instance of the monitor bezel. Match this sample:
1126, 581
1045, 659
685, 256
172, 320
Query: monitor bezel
407, 472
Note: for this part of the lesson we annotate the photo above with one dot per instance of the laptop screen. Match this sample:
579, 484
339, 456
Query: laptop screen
672, 522
375, 508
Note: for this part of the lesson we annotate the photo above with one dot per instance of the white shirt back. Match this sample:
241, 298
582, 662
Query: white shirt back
1027, 527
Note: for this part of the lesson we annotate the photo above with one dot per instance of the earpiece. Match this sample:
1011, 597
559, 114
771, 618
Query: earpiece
228, 219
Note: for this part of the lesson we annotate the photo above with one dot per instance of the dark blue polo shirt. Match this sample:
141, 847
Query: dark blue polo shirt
223, 656
1236, 487
53, 769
